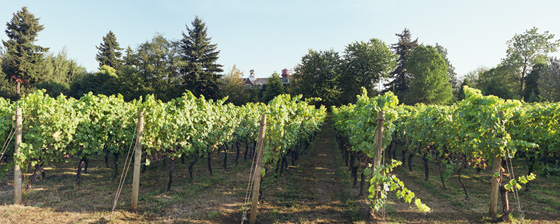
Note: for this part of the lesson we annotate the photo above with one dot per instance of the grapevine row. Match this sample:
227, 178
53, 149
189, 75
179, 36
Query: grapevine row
56, 129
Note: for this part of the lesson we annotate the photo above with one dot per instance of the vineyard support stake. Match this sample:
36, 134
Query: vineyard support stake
137, 159
496, 166
379, 140
17, 169
257, 178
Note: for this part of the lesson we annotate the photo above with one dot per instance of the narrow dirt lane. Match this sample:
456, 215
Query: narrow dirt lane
312, 191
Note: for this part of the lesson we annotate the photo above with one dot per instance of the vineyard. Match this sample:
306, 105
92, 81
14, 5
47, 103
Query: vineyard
473, 153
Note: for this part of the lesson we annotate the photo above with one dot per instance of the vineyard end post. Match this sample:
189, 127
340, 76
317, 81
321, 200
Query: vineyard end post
496, 166
379, 140
17, 169
137, 159
257, 178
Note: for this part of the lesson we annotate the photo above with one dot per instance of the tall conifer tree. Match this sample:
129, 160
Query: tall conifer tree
200, 75
399, 85
22, 56
109, 52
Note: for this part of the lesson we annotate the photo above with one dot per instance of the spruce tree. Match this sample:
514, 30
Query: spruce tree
399, 85
109, 52
200, 73
22, 56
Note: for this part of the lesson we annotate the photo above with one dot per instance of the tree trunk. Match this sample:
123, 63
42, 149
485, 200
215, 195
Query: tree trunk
195, 159
144, 166
362, 184
388, 150
462, 184
504, 195
116, 165
442, 167
505, 203
395, 150
18, 90
225, 155
210, 163
246, 149
171, 166
281, 163
237, 154
33, 178
106, 157
351, 162
523, 79
410, 161
426, 167
79, 172
86, 160
355, 175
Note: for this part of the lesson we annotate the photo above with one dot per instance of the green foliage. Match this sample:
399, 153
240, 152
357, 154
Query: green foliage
430, 82
358, 123
500, 81
549, 81
319, 75
290, 121
400, 83
152, 69
200, 73
272, 88
365, 63
109, 52
516, 183
233, 87
382, 182
48, 129
22, 57
54, 89
532, 92
453, 80
105, 81
527, 49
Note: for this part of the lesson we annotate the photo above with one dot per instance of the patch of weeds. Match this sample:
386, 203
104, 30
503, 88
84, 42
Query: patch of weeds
213, 214
353, 210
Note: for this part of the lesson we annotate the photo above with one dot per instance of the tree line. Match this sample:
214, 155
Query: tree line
419, 73
416, 73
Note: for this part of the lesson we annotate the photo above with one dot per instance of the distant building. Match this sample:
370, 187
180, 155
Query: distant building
285, 76
252, 81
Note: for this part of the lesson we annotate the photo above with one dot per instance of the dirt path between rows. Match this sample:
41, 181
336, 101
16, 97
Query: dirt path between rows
311, 191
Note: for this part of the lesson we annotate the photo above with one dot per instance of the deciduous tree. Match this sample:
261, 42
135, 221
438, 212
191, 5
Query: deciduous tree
157, 63
365, 63
549, 81
272, 88
527, 49
532, 91
233, 87
318, 75
429, 83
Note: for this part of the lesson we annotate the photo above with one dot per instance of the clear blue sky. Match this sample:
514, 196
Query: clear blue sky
268, 36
